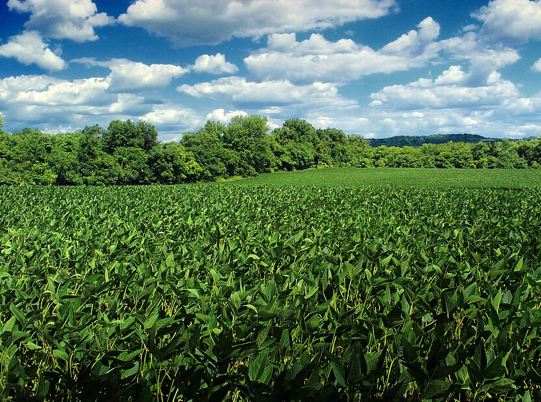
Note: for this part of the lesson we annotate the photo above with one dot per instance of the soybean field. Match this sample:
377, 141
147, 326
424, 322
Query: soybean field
270, 293
402, 177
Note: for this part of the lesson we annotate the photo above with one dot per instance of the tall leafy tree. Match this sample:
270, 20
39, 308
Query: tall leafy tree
171, 163
128, 134
247, 137
64, 158
207, 147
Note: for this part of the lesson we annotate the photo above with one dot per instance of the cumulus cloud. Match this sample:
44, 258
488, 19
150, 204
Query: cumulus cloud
55, 96
483, 56
319, 59
62, 19
131, 76
195, 23
12, 86
514, 21
268, 93
537, 66
214, 65
29, 48
58, 105
415, 42
450, 90
89, 92
53, 103
223, 117
172, 120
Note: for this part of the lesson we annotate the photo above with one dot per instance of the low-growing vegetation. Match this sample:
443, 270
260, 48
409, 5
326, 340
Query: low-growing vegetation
236, 292
414, 177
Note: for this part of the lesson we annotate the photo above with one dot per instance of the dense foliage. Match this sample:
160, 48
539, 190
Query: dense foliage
210, 292
418, 140
129, 153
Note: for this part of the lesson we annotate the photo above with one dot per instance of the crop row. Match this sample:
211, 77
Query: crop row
210, 292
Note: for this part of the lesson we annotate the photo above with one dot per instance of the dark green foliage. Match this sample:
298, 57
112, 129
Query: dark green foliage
247, 138
417, 141
122, 134
172, 164
209, 152
208, 292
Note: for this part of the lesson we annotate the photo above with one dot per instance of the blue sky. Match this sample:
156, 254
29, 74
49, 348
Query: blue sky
377, 68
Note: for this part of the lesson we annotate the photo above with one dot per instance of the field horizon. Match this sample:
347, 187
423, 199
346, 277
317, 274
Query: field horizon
409, 177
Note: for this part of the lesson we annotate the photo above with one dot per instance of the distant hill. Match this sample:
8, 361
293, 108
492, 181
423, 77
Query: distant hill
418, 140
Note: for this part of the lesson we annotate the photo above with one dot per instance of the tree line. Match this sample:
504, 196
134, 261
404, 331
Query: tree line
129, 152
418, 140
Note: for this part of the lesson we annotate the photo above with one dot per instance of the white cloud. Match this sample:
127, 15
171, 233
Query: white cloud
267, 93
525, 130
453, 102
223, 117
525, 107
318, 59
537, 66
450, 90
131, 76
62, 19
484, 57
88, 92
11, 86
57, 105
415, 42
194, 23
214, 65
29, 48
514, 21
172, 120
452, 76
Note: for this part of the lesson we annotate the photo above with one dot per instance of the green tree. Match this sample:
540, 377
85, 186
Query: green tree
134, 168
331, 147
127, 134
247, 137
207, 147
64, 160
296, 130
297, 140
171, 163
358, 152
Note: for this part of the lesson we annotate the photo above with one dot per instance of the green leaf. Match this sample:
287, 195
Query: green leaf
32, 346
21, 317
170, 261
127, 373
496, 300
339, 374
285, 339
129, 356
262, 335
194, 292
258, 365
150, 321
386, 260
437, 388
520, 264
8, 326
409, 351
61, 354
502, 386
